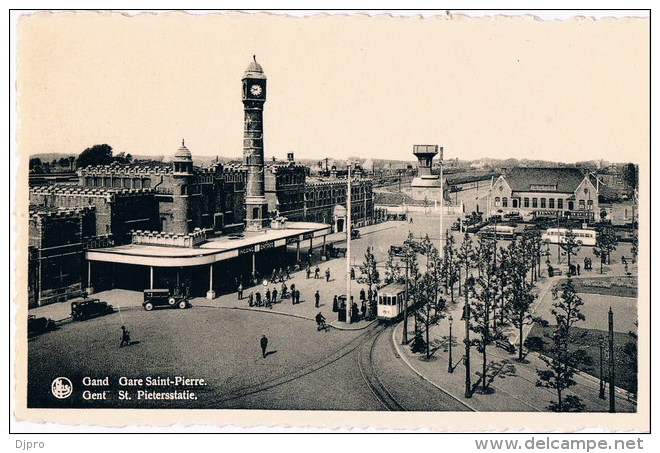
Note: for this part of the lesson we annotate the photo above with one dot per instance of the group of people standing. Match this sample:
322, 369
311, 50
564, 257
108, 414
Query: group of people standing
271, 296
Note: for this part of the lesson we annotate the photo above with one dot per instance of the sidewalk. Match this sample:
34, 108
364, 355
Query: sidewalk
516, 392
307, 287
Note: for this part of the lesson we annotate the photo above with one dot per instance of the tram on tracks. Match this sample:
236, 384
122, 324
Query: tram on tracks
390, 301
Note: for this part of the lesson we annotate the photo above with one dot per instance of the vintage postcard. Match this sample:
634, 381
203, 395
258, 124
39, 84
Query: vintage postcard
332, 221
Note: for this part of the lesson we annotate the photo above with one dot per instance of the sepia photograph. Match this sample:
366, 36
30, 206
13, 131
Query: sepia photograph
246, 217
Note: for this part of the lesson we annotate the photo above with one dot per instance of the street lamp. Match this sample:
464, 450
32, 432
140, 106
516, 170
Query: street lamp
601, 346
451, 365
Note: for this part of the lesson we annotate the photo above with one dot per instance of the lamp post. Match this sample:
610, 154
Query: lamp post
451, 365
348, 245
601, 346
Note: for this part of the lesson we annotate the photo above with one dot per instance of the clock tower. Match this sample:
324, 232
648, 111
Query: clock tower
254, 96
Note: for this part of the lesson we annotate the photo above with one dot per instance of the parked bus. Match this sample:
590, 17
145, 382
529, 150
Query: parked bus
558, 235
498, 232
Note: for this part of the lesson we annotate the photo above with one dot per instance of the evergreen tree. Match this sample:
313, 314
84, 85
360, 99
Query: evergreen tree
561, 362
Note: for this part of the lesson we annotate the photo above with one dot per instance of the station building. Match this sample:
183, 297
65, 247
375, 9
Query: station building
545, 192
142, 226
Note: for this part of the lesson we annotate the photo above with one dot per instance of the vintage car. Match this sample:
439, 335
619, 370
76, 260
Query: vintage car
40, 325
355, 234
90, 308
165, 298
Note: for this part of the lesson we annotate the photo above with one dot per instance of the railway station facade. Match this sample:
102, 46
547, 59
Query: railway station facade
141, 226
546, 192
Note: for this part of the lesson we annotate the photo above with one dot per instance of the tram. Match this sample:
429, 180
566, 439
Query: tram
558, 235
390, 301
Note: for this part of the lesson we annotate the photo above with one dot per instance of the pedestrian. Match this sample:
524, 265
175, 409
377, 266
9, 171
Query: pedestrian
335, 304
268, 296
327, 275
578, 268
317, 296
264, 345
251, 299
297, 296
125, 337
317, 273
240, 291
288, 272
284, 290
354, 313
586, 263
258, 299
352, 274
308, 271
274, 295
362, 295
411, 220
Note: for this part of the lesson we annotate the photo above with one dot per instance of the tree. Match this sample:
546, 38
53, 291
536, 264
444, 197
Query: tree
428, 312
450, 265
485, 289
465, 257
605, 244
370, 277
411, 248
519, 294
630, 176
36, 166
570, 245
560, 361
96, 155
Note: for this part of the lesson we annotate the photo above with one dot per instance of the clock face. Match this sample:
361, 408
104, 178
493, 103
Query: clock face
255, 90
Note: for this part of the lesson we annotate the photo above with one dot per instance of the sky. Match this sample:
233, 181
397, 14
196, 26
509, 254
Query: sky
338, 86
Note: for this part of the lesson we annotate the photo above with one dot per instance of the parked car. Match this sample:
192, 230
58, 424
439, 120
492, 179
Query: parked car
355, 234
89, 308
164, 298
40, 325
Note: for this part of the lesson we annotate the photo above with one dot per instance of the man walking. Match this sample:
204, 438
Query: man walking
274, 295
125, 337
327, 274
240, 291
308, 271
264, 345
317, 273
317, 296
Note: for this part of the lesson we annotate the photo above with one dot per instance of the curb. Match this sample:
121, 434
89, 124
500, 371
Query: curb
409, 365
276, 312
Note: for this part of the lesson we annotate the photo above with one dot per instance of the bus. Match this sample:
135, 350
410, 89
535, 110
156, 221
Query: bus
558, 235
498, 232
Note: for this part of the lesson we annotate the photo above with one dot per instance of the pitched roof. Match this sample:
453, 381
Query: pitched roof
555, 179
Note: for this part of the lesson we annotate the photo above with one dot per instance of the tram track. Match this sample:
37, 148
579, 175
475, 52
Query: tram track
298, 374
366, 367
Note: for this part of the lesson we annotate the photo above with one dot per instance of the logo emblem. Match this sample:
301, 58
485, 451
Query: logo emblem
61, 388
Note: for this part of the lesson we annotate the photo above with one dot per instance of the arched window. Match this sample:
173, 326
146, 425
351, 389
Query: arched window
514, 202
497, 201
505, 202
526, 202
